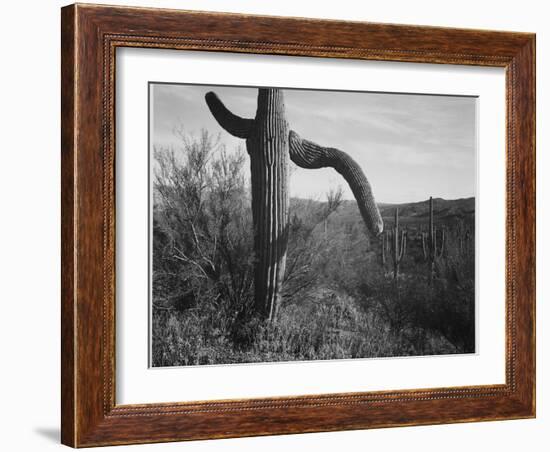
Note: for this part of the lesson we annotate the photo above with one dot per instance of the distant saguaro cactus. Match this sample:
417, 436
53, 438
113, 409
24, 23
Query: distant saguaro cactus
431, 251
270, 144
398, 245
384, 248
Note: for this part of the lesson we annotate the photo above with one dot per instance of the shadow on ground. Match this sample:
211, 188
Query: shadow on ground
50, 433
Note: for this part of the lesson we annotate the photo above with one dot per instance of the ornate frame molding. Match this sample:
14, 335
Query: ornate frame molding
90, 37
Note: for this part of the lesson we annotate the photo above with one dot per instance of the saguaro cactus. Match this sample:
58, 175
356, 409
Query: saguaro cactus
431, 251
398, 245
270, 144
384, 247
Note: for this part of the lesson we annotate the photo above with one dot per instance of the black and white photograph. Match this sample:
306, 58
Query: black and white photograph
296, 225
275, 226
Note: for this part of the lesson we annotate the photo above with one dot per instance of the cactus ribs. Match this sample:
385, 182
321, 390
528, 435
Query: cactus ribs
270, 144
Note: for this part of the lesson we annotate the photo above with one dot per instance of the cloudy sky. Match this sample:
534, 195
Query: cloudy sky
410, 147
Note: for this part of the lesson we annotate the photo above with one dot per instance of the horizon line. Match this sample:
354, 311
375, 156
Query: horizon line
394, 202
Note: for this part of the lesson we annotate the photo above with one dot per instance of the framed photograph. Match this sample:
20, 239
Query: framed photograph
280, 225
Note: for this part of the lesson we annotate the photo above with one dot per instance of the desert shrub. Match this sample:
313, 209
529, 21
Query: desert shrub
339, 301
203, 261
332, 328
308, 245
424, 311
202, 249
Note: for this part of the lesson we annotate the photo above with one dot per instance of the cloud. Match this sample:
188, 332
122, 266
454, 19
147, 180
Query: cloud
410, 146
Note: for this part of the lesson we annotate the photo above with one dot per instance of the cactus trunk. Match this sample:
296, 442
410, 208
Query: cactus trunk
267, 146
270, 145
433, 253
399, 245
432, 239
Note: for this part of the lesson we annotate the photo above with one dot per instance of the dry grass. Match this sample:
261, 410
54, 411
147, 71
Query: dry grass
334, 327
339, 300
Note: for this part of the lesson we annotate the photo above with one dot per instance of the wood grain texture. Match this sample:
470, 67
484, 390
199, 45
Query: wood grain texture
90, 36
68, 243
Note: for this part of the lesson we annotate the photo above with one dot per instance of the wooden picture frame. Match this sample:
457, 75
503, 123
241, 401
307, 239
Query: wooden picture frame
90, 35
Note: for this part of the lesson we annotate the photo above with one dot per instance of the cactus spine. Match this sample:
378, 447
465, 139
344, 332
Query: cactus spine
431, 251
270, 144
398, 245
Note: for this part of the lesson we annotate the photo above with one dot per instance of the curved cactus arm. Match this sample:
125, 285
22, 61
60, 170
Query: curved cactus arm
235, 125
307, 154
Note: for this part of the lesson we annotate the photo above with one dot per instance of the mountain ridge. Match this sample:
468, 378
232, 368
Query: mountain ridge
445, 210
